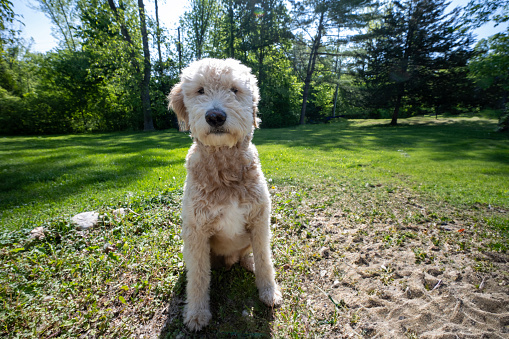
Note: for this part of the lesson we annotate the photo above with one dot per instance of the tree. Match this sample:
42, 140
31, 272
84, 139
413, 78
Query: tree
63, 15
158, 41
480, 12
413, 49
199, 19
321, 16
145, 78
490, 67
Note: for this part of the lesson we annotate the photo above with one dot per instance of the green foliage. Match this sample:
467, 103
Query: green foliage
489, 62
412, 56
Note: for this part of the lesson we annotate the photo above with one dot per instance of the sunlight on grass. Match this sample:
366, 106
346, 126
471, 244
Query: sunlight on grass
458, 160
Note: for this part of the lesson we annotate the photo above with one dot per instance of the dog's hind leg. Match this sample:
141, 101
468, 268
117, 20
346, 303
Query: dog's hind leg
197, 258
268, 290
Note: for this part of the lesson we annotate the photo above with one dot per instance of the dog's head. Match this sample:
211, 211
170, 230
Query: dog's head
217, 100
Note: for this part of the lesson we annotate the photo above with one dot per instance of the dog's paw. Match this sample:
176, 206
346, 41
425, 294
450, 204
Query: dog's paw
197, 319
248, 263
271, 295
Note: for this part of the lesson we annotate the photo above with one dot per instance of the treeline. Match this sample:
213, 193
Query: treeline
314, 59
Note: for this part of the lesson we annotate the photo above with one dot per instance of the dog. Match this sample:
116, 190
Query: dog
226, 203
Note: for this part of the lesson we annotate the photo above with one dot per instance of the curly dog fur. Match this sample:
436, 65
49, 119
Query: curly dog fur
226, 204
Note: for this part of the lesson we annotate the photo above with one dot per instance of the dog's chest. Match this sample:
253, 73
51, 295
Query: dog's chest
231, 221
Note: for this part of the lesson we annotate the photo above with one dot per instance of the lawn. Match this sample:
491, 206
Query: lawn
435, 190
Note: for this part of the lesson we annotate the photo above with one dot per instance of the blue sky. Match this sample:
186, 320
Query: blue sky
38, 26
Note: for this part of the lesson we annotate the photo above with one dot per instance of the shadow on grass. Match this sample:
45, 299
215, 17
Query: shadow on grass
52, 169
236, 310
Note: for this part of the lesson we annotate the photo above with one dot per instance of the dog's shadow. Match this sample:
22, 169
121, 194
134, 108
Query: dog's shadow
236, 309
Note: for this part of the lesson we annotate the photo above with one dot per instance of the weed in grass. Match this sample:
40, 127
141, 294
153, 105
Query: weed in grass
420, 255
435, 241
386, 275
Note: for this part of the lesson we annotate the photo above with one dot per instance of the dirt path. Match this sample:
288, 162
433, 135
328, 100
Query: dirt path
385, 266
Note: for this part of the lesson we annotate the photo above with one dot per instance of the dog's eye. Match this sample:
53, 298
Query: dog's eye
234, 90
201, 91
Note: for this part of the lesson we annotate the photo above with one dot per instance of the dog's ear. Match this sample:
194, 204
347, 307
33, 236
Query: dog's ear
176, 103
256, 99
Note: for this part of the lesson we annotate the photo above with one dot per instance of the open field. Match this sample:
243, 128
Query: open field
377, 231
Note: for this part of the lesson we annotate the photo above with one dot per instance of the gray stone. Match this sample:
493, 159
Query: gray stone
86, 220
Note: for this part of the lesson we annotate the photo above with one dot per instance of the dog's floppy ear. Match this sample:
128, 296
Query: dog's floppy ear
176, 99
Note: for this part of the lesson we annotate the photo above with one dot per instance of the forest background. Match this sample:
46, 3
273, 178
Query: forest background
315, 61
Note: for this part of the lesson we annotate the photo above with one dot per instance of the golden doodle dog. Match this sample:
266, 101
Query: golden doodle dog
226, 204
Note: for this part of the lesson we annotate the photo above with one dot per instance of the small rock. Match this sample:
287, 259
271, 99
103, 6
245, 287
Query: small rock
120, 212
323, 273
86, 220
107, 247
336, 284
37, 233
324, 252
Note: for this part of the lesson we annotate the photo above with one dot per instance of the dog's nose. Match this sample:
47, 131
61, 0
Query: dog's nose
215, 117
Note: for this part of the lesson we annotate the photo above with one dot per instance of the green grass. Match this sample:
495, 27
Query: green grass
44, 177
459, 160
127, 276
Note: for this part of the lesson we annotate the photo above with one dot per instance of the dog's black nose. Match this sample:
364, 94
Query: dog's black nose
215, 117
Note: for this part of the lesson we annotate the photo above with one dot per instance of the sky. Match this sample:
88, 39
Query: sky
38, 26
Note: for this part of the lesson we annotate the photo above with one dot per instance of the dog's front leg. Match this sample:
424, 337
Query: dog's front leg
197, 257
268, 290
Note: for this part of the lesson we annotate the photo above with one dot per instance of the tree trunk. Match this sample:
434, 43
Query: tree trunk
158, 35
395, 114
311, 69
401, 86
179, 49
335, 101
148, 124
231, 42
261, 74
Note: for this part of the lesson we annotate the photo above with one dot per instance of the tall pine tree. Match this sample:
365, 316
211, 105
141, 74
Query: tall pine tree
412, 52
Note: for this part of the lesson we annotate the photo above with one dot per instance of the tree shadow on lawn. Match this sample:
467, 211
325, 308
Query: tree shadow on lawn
128, 142
234, 304
48, 170
42, 182
446, 139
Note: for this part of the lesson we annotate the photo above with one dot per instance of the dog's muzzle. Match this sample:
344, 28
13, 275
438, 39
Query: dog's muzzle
215, 117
